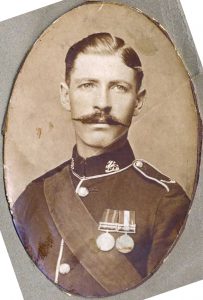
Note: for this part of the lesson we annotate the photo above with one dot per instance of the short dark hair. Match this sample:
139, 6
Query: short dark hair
104, 43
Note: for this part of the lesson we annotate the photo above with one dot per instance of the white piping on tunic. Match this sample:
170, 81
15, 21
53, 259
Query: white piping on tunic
166, 181
79, 184
161, 182
100, 175
151, 178
59, 261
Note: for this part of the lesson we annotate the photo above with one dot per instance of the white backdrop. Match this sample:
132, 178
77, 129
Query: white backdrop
9, 8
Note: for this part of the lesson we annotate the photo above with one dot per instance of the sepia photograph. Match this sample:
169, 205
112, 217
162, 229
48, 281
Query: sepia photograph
101, 149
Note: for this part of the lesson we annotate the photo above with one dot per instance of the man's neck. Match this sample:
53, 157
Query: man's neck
87, 151
116, 158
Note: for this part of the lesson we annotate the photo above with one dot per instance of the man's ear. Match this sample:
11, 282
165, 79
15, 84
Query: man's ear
64, 96
139, 102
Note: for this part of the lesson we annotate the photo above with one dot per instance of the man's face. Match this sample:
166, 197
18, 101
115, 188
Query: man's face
102, 96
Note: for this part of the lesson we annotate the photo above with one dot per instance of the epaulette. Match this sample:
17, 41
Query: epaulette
152, 173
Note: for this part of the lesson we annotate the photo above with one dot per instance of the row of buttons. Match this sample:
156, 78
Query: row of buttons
83, 192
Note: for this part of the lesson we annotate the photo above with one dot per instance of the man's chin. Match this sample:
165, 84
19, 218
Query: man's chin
101, 138
99, 143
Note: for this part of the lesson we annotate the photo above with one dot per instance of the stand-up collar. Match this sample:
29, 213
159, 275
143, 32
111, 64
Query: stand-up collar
105, 163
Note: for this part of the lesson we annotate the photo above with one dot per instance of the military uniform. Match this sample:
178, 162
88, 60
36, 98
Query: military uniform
57, 219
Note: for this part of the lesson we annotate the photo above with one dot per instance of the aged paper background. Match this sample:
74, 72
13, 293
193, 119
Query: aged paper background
39, 132
184, 264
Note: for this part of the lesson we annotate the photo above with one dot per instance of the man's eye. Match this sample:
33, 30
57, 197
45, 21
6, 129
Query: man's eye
120, 88
86, 85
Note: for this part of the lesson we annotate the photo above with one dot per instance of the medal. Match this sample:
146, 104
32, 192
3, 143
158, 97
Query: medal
124, 243
106, 241
126, 224
116, 221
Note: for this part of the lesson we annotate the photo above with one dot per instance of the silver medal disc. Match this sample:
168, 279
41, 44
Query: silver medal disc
105, 241
124, 244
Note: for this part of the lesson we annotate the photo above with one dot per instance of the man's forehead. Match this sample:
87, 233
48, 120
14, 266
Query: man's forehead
99, 66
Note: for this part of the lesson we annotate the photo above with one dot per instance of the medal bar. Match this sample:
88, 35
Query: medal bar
109, 221
126, 222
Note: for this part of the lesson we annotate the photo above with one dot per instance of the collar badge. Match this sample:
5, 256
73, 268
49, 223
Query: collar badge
111, 166
72, 164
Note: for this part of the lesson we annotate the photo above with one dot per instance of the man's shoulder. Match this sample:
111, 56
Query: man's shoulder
151, 174
34, 191
51, 172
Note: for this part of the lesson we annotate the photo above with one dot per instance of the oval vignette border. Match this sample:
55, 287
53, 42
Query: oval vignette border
192, 88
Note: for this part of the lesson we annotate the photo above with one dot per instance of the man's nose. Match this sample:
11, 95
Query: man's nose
103, 101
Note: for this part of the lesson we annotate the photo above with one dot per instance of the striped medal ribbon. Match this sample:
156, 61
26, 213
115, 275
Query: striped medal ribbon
126, 224
109, 222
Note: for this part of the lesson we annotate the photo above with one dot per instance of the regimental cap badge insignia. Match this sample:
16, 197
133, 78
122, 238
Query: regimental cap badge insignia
111, 166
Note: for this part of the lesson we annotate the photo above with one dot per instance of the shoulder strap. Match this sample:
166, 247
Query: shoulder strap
152, 173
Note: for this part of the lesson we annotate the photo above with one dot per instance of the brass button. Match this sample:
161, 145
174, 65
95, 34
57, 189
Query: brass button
139, 164
83, 191
64, 269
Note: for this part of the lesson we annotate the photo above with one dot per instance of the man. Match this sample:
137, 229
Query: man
102, 222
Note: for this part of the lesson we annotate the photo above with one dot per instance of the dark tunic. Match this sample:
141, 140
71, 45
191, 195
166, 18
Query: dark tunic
58, 228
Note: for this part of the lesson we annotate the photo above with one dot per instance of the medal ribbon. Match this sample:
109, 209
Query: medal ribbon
109, 220
126, 221
118, 221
